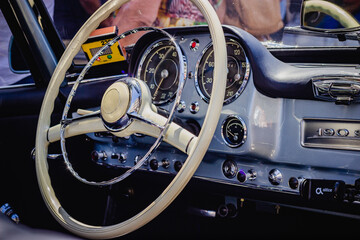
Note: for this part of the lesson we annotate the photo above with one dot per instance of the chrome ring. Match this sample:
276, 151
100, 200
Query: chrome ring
243, 85
245, 131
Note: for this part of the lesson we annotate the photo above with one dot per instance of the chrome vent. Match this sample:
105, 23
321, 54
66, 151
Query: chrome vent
341, 90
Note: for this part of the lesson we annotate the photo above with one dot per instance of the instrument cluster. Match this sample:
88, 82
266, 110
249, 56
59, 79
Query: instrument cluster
159, 68
157, 63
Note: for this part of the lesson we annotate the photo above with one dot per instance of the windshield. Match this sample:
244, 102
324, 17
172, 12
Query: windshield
276, 23
267, 20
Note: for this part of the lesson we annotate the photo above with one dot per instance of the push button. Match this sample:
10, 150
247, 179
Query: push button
194, 107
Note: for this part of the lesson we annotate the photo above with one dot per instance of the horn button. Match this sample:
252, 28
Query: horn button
115, 102
119, 99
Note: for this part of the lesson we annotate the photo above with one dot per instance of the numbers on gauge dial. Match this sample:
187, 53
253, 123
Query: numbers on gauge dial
159, 68
237, 72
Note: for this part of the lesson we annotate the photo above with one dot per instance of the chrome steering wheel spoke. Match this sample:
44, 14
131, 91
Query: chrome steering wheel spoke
126, 102
145, 120
67, 121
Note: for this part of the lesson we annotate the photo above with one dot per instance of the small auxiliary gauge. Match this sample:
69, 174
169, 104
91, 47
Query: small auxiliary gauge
99, 38
233, 131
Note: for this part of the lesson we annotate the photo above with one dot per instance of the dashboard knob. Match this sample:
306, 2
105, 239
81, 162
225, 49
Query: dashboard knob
194, 107
98, 155
275, 176
229, 169
122, 158
165, 163
252, 174
181, 106
154, 164
178, 165
242, 176
293, 183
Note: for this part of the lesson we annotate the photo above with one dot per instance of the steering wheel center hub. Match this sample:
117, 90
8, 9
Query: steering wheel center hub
115, 102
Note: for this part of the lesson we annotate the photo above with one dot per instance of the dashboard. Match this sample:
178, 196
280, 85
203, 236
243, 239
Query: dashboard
274, 134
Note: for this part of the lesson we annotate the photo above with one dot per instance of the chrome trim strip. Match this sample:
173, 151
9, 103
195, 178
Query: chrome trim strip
137, 116
17, 86
310, 126
114, 77
248, 185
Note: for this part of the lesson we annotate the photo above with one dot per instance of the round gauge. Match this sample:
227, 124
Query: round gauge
159, 68
233, 131
238, 71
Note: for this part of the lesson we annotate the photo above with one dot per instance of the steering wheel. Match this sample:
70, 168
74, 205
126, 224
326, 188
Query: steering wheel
331, 9
116, 100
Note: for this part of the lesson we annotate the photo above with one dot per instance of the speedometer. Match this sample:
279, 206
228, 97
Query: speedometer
238, 70
159, 68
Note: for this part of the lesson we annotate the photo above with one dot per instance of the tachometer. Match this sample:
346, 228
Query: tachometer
159, 68
238, 71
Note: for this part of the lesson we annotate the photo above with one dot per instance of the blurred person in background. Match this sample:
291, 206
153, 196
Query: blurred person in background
259, 17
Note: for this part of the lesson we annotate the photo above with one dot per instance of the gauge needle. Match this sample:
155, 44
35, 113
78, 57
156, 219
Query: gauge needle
157, 88
229, 132
164, 73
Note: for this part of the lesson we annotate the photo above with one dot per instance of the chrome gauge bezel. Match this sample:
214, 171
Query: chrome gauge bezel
140, 67
243, 85
244, 127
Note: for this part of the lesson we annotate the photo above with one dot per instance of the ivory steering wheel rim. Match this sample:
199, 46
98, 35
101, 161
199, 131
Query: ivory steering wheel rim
194, 157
